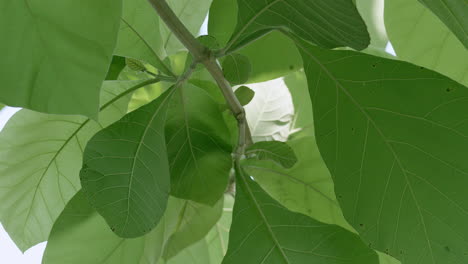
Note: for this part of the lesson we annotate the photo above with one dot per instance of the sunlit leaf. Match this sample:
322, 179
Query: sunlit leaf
270, 113
418, 36
453, 14
41, 159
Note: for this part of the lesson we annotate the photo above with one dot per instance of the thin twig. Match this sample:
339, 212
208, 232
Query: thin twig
206, 56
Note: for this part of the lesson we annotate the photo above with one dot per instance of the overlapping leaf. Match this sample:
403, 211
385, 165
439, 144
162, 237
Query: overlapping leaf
139, 35
306, 188
41, 158
263, 53
52, 62
263, 231
453, 14
326, 23
125, 172
394, 138
193, 223
198, 146
191, 13
419, 37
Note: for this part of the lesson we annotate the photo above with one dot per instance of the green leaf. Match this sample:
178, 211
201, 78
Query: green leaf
125, 172
236, 68
81, 229
453, 14
80, 235
372, 13
270, 112
41, 158
272, 56
198, 146
212, 248
394, 138
303, 118
194, 222
263, 231
139, 35
134, 65
191, 14
52, 62
263, 53
419, 37
276, 151
328, 24
306, 188
209, 42
116, 67
244, 94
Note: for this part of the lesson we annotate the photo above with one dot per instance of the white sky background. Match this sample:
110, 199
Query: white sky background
9, 253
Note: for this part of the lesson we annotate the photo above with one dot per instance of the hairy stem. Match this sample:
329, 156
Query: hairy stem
204, 55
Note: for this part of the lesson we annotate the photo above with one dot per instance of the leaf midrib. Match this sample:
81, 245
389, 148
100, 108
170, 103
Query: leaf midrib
135, 158
262, 215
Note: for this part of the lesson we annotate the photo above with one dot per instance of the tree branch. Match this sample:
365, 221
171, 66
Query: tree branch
204, 55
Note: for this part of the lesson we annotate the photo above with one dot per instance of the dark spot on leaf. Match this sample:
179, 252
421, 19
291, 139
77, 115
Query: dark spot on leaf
387, 251
373, 65
113, 229
340, 196
447, 249
449, 89
422, 68
401, 252
361, 225
291, 67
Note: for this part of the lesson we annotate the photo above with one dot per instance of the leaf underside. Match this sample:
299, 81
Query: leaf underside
394, 137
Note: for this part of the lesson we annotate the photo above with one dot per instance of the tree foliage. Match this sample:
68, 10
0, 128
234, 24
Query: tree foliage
283, 134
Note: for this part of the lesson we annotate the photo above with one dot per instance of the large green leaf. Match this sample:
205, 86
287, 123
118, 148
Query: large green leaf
139, 35
394, 138
80, 229
41, 158
263, 231
453, 14
306, 188
418, 36
327, 23
125, 172
192, 14
270, 113
193, 223
198, 146
263, 53
56, 54
80, 235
